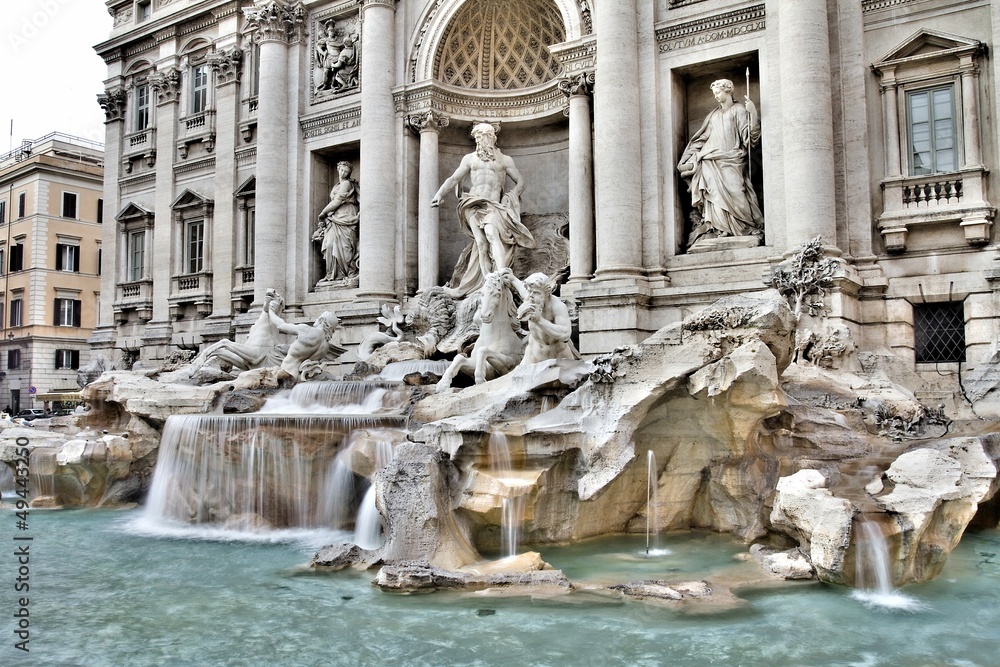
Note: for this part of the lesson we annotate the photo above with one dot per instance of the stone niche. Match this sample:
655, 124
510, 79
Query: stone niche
693, 83
541, 154
322, 177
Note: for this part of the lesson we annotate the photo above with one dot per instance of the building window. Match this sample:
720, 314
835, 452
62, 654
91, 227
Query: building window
67, 257
67, 359
141, 117
255, 70
143, 10
15, 312
939, 332
69, 205
16, 257
931, 115
3, 252
136, 255
22, 204
100, 211
199, 88
194, 246
248, 234
67, 312
100, 258
13, 359
3, 211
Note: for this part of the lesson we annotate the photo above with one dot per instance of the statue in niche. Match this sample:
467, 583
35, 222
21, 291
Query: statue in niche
338, 228
312, 344
549, 323
715, 164
489, 215
337, 59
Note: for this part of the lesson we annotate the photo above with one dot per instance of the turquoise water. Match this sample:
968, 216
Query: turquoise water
105, 593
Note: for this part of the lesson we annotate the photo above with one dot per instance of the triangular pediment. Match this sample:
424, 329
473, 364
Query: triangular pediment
190, 198
928, 44
132, 211
247, 189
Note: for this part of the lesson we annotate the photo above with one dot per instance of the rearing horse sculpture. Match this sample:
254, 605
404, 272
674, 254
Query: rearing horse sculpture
498, 349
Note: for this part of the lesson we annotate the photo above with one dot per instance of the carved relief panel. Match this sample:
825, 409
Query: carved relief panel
335, 59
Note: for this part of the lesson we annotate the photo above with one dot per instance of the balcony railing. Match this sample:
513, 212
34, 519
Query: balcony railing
935, 192
136, 296
935, 199
197, 127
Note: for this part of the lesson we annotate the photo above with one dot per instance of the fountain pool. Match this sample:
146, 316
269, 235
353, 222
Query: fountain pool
105, 591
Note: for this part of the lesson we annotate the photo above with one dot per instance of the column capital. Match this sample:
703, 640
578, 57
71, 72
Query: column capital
365, 4
112, 101
227, 66
426, 121
277, 21
166, 85
580, 83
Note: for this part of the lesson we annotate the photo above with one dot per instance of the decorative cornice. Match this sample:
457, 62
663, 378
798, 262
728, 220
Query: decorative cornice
336, 121
534, 103
277, 21
113, 103
166, 85
137, 181
576, 56
246, 157
875, 5
711, 28
578, 84
226, 65
206, 164
365, 4
429, 120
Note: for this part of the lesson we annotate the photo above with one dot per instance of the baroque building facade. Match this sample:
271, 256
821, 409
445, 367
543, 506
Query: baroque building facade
874, 127
51, 226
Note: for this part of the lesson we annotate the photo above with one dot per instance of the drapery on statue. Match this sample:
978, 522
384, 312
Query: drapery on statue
338, 227
715, 165
263, 346
549, 324
312, 343
491, 217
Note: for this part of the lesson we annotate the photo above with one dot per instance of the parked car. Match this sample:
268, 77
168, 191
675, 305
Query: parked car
33, 413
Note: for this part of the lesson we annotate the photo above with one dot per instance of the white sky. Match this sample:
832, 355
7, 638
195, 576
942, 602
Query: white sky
50, 75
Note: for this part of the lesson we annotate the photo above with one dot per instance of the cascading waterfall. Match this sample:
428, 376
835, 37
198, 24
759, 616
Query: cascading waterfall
653, 508
368, 525
873, 570
274, 470
512, 507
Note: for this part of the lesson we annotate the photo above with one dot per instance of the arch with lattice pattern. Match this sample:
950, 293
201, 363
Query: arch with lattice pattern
500, 45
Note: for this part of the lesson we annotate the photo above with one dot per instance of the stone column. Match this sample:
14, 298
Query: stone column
891, 116
227, 67
166, 86
379, 163
428, 125
581, 176
276, 22
806, 120
970, 113
617, 151
113, 103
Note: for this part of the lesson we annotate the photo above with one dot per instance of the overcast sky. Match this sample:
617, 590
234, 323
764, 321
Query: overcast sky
49, 73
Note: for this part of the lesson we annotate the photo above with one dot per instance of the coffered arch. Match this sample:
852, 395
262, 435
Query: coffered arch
438, 21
